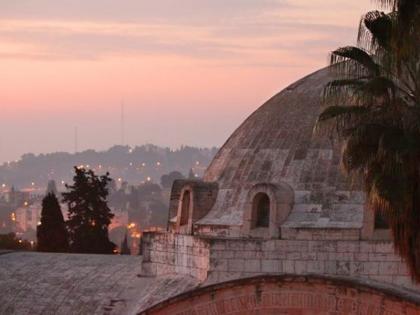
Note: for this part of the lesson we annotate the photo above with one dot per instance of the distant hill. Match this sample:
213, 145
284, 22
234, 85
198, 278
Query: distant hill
133, 165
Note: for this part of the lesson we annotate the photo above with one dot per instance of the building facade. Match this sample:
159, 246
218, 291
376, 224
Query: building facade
275, 203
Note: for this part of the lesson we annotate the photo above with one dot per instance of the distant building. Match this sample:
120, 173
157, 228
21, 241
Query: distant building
28, 216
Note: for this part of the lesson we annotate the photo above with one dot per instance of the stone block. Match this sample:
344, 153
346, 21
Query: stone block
367, 247
271, 266
293, 256
308, 256
218, 245
300, 267
288, 266
236, 264
384, 247
330, 267
269, 245
343, 268
316, 267
219, 265
370, 268
388, 268
347, 247
252, 265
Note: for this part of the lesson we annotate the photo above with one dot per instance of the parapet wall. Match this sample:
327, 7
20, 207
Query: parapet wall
219, 260
365, 260
166, 253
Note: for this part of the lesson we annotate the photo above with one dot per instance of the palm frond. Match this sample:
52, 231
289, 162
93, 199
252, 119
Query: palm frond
340, 111
362, 62
375, 31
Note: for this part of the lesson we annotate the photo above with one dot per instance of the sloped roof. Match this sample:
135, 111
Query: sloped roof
43, 283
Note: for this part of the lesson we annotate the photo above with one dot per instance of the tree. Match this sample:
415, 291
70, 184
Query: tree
89, 215
191, 174
167, 180
374, 106
9, 241
51, 233
125, 250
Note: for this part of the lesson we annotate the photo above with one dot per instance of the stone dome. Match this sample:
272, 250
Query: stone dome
276, 145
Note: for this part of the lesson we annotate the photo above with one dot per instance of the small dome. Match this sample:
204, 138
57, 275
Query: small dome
277, 145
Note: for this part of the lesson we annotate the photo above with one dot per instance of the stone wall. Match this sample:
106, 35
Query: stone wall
218, 260
373, 260
166, 253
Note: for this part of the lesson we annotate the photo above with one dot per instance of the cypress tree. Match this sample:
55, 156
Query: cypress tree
89, 215
52, 233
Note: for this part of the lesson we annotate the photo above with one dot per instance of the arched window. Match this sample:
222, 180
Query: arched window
185, 207
261, 207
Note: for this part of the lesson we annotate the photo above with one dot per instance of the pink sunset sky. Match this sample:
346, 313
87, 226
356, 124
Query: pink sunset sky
188, 71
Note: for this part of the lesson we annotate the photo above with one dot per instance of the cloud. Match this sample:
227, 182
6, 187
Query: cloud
197, 11
215, 30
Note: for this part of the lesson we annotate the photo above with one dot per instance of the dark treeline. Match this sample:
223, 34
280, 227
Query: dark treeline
132, 164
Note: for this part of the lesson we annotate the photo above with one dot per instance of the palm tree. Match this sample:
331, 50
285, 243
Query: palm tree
374, 106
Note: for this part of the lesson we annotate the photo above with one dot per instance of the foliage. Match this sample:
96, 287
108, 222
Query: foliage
374, 106
89, 214
10, 242
52, 233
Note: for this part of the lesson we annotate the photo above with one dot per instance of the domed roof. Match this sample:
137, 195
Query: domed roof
276, 144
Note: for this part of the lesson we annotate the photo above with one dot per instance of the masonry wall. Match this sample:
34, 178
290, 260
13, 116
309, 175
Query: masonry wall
374, 260
219, 260
165, 253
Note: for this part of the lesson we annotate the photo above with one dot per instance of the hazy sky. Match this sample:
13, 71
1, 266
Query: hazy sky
188, 71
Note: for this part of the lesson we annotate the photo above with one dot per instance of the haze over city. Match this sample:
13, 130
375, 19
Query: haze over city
188, 72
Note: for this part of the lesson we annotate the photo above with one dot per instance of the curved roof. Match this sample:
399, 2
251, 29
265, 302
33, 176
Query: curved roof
276, 144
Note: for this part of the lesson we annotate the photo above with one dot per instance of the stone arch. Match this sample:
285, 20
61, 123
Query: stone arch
278, 198
290, 294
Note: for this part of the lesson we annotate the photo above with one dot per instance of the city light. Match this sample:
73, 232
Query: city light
13, 216
3, 185
25, 203
131, 225
148, 178
33, 184
119, 179
157, 163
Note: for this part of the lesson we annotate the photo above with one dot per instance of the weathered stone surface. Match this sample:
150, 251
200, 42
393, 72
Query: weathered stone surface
276, 144
38, 283
318, 224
